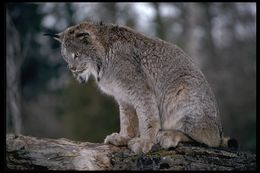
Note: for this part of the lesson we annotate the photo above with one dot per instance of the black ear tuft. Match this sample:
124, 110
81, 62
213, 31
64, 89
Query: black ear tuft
101, 23
55, 36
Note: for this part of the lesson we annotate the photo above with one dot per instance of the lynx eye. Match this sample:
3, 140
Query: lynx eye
75, 55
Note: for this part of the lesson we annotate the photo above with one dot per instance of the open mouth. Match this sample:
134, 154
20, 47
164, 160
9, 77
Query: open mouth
81, 75
78, 71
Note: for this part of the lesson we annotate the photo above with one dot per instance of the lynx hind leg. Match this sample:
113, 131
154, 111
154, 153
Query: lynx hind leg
171, 138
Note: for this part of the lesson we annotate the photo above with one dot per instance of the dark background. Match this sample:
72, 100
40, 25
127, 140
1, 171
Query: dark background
44, 100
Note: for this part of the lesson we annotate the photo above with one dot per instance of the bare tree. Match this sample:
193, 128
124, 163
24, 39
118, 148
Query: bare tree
160, 26
193, 31
13, 64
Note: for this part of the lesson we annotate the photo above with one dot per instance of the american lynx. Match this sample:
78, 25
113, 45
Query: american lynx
163, 97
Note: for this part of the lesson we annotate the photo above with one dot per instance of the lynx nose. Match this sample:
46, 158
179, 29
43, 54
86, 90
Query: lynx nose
72, 68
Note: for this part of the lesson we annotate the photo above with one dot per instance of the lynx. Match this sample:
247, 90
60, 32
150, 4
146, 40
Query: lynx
162, 95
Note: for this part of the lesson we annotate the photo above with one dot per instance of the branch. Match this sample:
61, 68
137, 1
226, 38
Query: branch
26, 153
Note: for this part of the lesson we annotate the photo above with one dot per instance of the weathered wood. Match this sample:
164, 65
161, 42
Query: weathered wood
25, 153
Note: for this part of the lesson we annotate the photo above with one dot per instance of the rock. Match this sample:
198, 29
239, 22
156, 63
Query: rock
32, 153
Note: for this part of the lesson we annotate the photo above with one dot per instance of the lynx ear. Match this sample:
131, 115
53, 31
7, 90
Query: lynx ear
82, 35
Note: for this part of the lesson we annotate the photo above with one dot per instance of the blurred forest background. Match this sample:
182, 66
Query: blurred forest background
43, 99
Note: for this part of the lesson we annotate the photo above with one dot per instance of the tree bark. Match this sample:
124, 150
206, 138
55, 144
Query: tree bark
32, 153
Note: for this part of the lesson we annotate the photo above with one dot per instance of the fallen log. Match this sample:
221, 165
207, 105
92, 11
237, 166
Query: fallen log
33, 153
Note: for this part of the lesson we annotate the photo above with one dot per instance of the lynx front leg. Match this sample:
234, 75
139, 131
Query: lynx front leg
128, 126
149, 125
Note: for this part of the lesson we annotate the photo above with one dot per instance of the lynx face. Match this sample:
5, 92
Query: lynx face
80, 50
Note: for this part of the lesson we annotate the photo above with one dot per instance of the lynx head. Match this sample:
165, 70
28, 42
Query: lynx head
81, 49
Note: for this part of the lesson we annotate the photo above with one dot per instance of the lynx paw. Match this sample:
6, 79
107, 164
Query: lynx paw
139, 145
116, 139
166, 142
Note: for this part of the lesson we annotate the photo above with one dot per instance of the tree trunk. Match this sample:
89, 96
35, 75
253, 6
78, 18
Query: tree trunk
13, 64
193, 31
27, 153
160, 27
